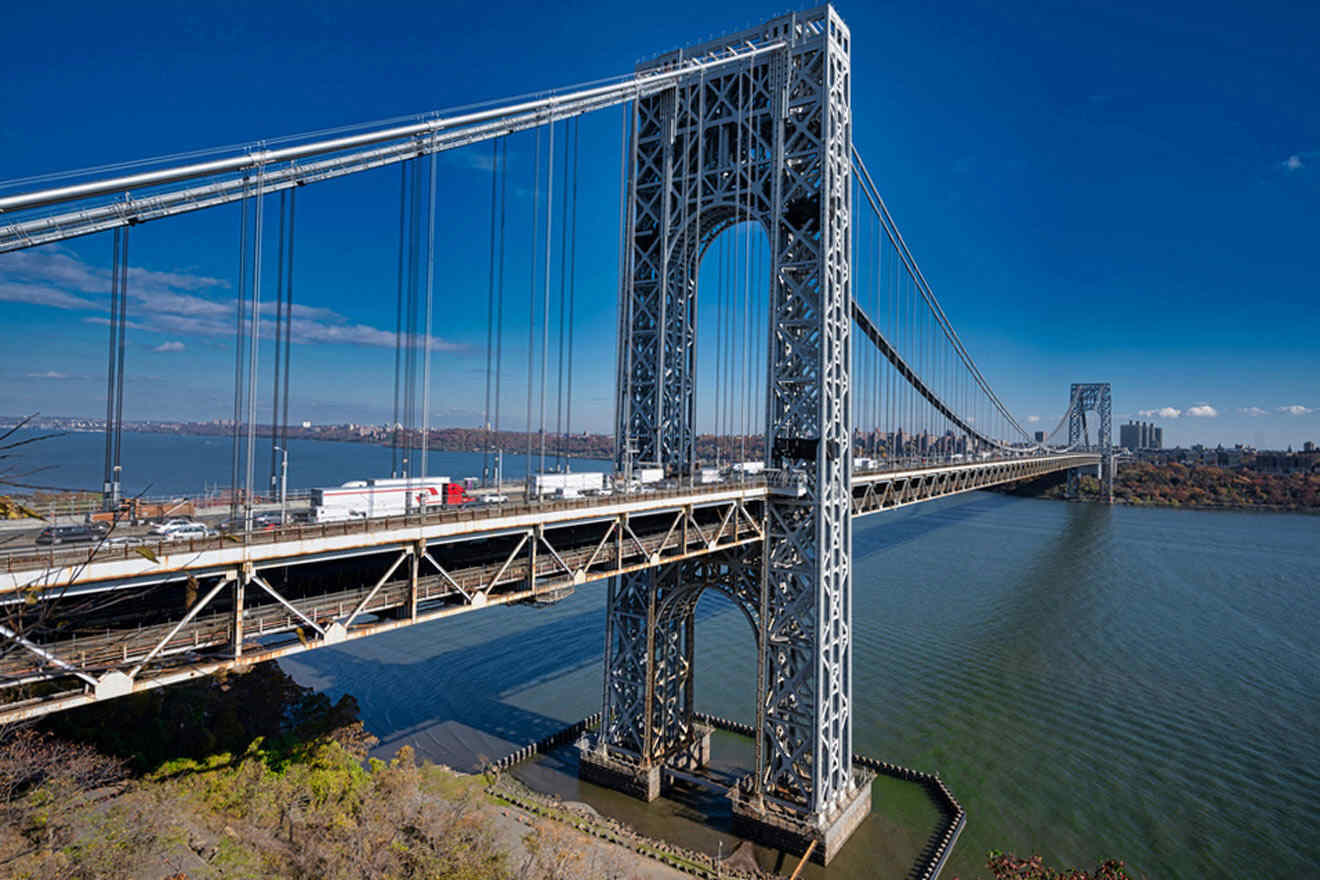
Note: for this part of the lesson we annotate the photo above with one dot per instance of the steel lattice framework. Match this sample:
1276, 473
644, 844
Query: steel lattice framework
1094, 397
768, 140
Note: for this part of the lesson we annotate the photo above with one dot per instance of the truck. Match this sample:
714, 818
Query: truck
747, 467
578, 484
135, 510
365, 499
648, 475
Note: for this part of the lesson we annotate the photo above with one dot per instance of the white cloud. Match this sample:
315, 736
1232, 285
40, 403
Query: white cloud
1292, 163
1167, 412
1203, 411
49, 374
42, 295
1033, 419
174, 303
1253, 411
1297, 409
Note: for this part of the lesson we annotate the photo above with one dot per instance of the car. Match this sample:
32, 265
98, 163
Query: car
189, 531
261, 522
68, 535
125, 540
167, 526
492, 499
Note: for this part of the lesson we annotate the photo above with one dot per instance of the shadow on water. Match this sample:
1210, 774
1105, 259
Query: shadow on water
906, 525
458, 711
1051, 592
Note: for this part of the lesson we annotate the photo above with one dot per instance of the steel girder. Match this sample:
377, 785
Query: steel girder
769, 141
259, 622
648, 714
1094, 397
885, 492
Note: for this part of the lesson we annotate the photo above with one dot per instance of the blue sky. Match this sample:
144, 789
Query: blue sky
1095, 191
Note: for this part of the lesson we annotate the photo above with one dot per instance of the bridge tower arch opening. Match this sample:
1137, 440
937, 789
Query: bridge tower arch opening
1092, 397
730, 361
766, 140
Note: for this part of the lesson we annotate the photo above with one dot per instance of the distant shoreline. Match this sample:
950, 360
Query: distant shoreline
475, 440
1178, 486
1208, 508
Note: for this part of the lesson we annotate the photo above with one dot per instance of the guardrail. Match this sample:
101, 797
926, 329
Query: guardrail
102, 552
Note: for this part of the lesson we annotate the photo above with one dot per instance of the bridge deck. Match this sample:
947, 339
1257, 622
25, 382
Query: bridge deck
457, 561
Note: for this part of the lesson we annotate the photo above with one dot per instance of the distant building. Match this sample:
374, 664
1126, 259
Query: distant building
1308, 446
1140, 435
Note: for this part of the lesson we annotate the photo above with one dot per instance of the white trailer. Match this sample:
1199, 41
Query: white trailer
550, 484
648, 475
748, 467
365, 499
708, 475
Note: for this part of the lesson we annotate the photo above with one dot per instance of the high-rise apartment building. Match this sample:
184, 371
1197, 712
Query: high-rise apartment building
1140, 435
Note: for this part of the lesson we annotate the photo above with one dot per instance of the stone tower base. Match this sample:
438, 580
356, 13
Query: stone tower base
793, 832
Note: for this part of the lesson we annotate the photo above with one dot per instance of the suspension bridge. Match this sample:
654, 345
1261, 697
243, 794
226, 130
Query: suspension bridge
826, 362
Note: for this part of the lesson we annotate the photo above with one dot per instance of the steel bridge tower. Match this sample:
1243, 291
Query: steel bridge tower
1094, 397
768, 140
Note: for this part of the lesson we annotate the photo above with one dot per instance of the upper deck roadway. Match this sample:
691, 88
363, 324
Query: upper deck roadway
198, 606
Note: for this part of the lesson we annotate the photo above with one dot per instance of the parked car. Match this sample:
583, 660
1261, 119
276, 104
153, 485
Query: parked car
168, 526
231, 525
191, 530
125, 540
68, 535
261, 522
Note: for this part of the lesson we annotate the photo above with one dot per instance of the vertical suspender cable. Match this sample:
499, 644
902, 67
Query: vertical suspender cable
426, 330
490, 310
545, 275
279, 340
572, 280
721, 346
531, 301
563, 297
410, 350
741, 217
398, 319
239, 301
288, 323
254, 334
111, 350
499, 303
117, 473
748, 341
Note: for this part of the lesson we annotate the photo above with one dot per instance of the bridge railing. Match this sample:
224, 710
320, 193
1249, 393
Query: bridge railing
929, 462
104, 551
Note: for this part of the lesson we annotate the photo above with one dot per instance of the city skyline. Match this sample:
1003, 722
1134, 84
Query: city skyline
96, 423
1070, 200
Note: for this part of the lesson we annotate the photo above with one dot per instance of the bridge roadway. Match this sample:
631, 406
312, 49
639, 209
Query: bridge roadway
411, 570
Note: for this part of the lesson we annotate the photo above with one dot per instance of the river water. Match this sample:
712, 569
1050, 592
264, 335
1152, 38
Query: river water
1089, 681
173, 464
